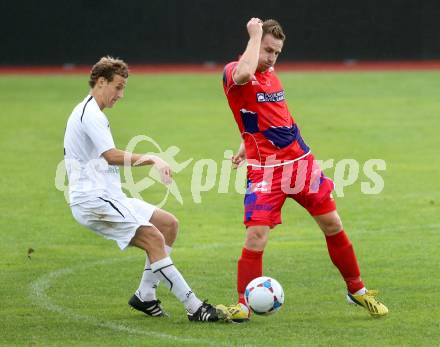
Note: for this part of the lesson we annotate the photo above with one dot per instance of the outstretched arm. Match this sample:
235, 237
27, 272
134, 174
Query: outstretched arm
247, 65
115, 156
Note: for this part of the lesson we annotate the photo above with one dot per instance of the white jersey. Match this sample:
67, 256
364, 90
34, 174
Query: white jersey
87, 136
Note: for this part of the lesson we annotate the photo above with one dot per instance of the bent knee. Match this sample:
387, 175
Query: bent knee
332, 227
256, 238
151, 235
173, 225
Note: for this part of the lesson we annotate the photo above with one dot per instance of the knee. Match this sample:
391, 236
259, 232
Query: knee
173, 226
256, 239
169, 228
332, 227
153, 237
168, 224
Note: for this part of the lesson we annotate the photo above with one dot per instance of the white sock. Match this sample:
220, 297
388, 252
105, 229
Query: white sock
361, 291
172, 278
149, 281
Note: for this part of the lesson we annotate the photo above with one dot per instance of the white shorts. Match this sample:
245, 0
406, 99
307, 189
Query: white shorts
115, 219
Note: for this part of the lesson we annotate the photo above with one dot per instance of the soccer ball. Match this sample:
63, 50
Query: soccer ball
264, 295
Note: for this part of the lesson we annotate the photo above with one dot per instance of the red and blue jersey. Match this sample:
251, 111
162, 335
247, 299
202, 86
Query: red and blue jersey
269, 131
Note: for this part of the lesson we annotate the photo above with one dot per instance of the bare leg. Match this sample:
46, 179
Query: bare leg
330, 223
167, 224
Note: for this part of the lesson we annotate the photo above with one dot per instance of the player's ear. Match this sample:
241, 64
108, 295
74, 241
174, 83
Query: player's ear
101, 81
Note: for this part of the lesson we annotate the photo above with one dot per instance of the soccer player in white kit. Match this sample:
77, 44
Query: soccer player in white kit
97, 201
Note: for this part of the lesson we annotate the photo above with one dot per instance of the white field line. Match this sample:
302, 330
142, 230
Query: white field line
38, 295
38, 289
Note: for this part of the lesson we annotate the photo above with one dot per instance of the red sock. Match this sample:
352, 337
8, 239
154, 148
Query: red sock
342, 255
250, 266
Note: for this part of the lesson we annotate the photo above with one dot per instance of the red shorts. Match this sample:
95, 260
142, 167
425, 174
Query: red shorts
268, 188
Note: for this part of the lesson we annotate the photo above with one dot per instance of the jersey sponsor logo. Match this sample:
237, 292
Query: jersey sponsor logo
271, 97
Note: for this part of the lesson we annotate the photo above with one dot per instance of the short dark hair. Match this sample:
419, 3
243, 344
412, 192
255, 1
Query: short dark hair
108, 67
271, 26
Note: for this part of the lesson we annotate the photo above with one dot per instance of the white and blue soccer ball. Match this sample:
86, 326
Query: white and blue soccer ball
264, 295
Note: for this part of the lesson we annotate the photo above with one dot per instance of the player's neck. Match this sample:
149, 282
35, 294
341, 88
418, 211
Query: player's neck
98, 98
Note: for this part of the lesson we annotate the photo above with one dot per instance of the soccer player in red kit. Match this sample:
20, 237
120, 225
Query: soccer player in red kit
280, 165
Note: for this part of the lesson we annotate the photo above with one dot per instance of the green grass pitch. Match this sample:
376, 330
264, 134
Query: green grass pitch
74, 289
